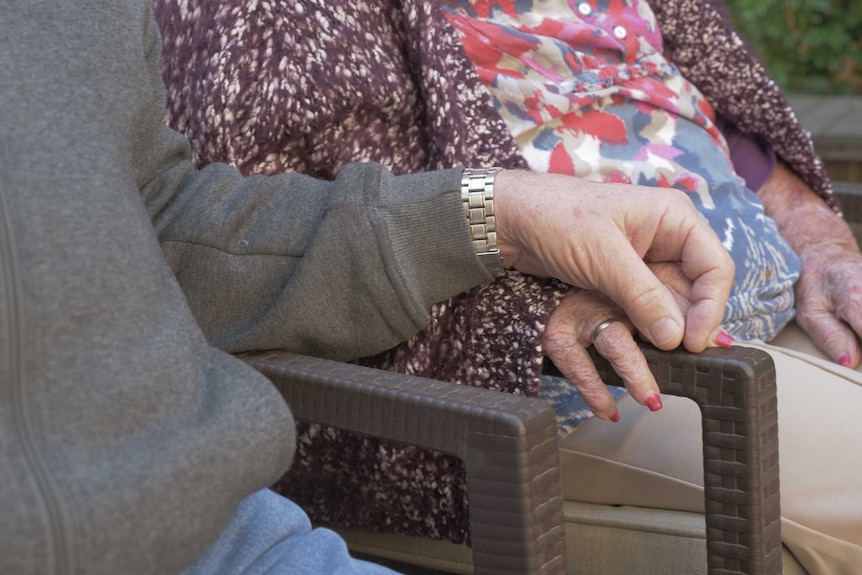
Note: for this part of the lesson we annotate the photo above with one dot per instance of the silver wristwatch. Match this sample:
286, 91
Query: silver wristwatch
477, 196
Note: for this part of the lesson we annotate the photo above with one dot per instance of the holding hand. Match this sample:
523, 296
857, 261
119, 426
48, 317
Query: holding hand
586, 317
598, 236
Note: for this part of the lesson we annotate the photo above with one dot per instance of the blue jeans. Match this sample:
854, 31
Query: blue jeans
270, 534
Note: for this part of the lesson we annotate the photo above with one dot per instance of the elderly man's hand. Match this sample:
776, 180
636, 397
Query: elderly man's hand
599, 236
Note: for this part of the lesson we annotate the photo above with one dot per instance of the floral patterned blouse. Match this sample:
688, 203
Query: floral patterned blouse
585, 90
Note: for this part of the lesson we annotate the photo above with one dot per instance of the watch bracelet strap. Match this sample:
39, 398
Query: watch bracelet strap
477, 197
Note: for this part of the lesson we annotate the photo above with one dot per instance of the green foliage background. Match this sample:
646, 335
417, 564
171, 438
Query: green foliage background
808, 46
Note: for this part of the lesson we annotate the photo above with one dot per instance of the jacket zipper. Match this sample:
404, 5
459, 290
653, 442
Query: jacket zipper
59, 541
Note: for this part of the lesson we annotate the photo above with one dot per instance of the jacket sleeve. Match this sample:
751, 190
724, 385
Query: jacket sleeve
341, 269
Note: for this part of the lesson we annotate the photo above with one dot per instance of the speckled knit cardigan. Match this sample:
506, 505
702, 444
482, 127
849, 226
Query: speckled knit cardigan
308, 85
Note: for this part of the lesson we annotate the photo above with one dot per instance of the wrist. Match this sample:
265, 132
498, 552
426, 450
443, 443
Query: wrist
811, 226
505, 194
802, 217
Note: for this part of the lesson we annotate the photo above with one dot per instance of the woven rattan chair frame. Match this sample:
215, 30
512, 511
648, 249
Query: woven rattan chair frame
508, 444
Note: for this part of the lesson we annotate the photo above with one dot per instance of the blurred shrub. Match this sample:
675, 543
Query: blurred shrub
808, 46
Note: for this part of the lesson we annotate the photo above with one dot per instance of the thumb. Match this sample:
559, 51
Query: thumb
648, 303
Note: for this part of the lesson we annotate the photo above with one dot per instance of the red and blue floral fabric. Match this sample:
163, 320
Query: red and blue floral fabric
585, 90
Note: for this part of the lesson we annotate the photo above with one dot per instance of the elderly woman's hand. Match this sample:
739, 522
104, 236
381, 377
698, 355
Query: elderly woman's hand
829, 289
829, 299
599, 236
586, 317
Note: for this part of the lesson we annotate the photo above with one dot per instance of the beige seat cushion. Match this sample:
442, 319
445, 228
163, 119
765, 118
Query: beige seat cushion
600, 540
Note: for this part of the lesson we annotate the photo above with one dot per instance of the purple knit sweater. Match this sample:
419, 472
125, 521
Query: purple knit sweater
309, 85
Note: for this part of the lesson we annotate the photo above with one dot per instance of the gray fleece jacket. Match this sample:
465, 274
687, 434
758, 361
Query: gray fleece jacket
127, 434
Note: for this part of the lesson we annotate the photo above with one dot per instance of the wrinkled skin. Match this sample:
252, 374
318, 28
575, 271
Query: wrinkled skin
828, 302
569, 334
828, 299
642, 255
602, 237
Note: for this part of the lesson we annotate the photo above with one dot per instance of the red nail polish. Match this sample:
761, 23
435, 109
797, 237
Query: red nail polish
844, 360
724, 340
616, 416
653, 402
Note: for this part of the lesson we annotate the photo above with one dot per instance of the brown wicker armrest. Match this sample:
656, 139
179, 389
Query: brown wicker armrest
735, 390
508, 444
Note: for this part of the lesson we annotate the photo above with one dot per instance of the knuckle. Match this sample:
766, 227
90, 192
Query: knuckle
614, 339
677, 196
849, 284
808, 317
557, 349
832, 341
620, 348
851, 308
554, 337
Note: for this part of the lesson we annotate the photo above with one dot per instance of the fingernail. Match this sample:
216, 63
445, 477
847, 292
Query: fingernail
616, 416
844, 360
653, 402
723, 339
665, 331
